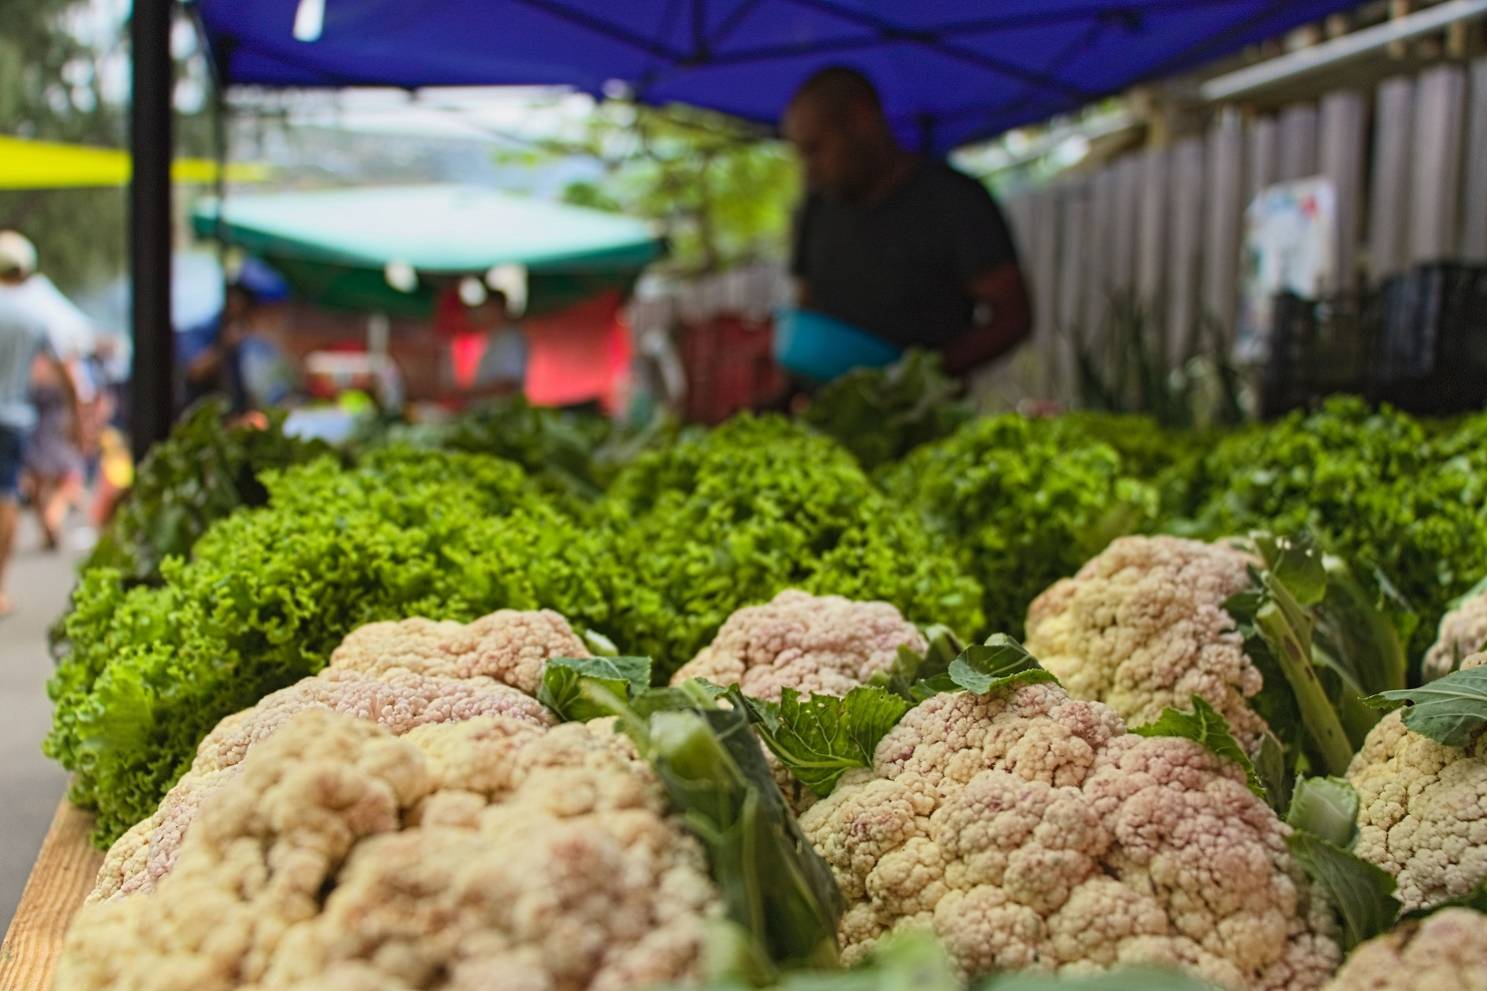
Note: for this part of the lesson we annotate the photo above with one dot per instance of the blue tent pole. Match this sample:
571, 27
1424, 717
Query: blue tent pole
151, 393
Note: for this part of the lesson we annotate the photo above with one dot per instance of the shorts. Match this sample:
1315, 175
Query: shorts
12, 454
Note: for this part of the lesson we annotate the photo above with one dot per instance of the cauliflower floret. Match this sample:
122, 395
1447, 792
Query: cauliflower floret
396, 698
148, 852
825, 644
1030, 830
1142, 627
1463, 632
1446, 950
341, 855
508, 645
1423, 809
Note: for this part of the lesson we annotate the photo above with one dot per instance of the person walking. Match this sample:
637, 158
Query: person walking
25, 348
53, 462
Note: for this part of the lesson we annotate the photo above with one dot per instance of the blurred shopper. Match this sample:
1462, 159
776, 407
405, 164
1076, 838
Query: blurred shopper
503, 363
658, 378
25, 353
54, 464
900, 246
214, 361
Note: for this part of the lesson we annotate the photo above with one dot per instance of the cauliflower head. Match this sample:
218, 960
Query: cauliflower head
343, 856
1448, 949
1142, 627
1422, 812
825, 644
400, 675
508, 645
1028, 829
1463, 632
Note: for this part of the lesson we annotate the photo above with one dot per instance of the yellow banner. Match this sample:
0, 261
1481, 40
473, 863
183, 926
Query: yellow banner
27, 164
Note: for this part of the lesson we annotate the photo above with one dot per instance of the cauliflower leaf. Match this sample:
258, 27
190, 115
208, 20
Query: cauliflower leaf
563, 678
1309, 626
1451, 710
911, 669
1001, 662
822, 737
1205, 725
1326, 807
778, 892
1323, 819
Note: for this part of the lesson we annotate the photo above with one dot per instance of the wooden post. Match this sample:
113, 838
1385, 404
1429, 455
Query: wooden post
1397, 10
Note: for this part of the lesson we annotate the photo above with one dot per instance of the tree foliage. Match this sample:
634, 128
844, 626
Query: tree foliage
56, 60
721, 192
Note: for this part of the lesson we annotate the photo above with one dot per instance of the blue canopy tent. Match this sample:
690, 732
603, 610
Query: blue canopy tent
951, 71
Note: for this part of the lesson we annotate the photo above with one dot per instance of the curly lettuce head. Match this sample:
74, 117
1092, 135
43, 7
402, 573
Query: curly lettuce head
1022, 504
269, 592
729, 518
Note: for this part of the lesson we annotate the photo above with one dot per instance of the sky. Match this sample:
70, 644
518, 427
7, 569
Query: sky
524, 113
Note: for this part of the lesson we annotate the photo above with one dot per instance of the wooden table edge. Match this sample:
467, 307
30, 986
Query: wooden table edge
63, 875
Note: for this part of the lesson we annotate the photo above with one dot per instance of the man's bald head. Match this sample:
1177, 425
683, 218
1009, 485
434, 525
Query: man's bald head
839, 90
835, 121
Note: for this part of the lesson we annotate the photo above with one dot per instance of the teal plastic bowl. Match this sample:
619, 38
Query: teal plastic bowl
821, 347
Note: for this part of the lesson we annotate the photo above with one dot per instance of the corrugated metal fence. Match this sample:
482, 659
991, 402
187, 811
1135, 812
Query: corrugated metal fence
1408, 162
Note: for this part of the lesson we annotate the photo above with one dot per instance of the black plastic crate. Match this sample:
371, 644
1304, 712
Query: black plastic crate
1317, 348
1417, 341
1431, 353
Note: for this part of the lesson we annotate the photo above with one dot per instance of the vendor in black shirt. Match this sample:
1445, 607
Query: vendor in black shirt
903, 247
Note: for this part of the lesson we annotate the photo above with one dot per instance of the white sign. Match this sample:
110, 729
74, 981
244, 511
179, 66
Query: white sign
1290, 234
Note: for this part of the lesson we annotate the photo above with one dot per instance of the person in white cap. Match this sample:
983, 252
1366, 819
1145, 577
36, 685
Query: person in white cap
24, 345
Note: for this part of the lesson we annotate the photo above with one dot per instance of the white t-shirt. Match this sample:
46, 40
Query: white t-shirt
23, 337
504, 358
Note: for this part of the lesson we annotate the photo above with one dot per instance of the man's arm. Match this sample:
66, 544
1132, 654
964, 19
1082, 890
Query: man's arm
986, 264
802, 294
798, 273
1003, 292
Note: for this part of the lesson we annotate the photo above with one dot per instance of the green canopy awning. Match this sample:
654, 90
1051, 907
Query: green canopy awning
335, 245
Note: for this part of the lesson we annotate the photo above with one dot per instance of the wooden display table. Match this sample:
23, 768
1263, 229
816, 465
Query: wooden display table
59, 882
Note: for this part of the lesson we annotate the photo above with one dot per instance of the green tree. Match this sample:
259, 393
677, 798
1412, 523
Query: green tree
720, 191
52, 88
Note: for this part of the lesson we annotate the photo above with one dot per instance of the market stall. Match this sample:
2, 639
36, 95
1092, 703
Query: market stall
404, 259
764, 556
891, 692
957, 74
